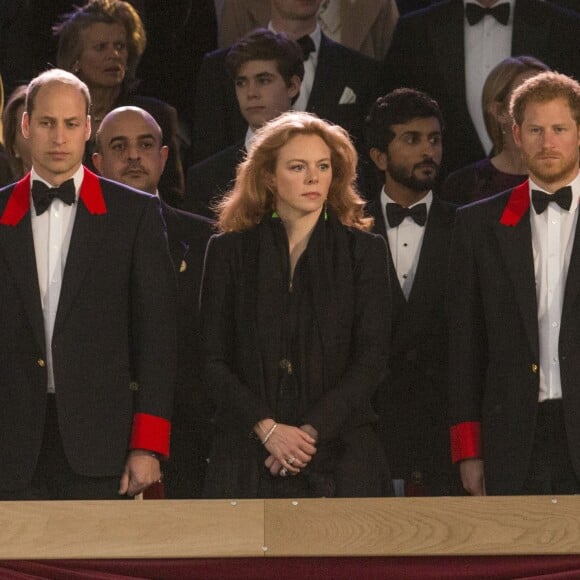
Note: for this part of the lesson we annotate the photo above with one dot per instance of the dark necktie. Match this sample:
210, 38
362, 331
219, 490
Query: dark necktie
42, 195
307, 45
474, 13
396, 214
541, 199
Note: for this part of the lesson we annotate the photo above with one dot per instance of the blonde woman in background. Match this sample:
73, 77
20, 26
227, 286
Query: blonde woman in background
505, 168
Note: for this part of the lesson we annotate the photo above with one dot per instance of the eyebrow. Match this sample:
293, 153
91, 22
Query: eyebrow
419, 133
305, 161
264, 74
53, 118
125, 138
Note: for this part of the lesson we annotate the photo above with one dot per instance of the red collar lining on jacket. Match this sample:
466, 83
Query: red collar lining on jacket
19, 202
517, 205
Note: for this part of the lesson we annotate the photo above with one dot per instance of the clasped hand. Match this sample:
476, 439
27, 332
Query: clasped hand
291, 449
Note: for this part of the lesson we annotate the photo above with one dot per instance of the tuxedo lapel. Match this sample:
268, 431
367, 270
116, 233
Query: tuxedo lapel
430, 276
178, 248
85, 244
325, 79
515, 244
573, 278
530, 34
374, 209
18, 244
448, 49
399, 301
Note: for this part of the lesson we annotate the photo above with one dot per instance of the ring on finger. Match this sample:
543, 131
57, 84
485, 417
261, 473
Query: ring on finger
291, 460
283, 472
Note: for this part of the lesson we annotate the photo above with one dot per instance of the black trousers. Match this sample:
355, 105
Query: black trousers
53, 477
551, 470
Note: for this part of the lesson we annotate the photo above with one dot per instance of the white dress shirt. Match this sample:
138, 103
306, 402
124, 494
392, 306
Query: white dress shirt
552, 242
301, 103
51, 232
249, 138
405, 242
486, 44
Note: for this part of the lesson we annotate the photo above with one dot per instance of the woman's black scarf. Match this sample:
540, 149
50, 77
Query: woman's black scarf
328, 271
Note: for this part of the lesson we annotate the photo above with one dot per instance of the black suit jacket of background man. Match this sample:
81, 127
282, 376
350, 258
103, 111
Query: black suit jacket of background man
427, 53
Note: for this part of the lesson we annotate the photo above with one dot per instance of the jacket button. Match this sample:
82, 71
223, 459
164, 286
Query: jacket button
535, 368
133, 386
40, 362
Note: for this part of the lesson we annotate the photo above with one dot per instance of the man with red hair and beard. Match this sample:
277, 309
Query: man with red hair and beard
514, 310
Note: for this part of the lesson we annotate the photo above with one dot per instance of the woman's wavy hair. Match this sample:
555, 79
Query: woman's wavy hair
251, 198
11, 124
73, 23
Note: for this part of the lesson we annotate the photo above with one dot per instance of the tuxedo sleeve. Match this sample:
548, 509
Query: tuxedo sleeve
467, 340
369, 342
152, 332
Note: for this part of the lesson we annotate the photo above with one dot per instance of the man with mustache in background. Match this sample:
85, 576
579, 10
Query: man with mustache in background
130, 150
403, 132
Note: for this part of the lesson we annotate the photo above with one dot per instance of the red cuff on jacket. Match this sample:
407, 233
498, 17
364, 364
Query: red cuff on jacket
151, 433
465, 441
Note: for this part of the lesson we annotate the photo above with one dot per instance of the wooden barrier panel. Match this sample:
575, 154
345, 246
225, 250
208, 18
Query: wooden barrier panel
131, 529
424, 526
462, 526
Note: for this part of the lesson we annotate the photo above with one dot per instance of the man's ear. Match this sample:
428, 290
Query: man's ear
379, 158
98, 162
88, 128
294, 86
25, 124
517, 133
164, 152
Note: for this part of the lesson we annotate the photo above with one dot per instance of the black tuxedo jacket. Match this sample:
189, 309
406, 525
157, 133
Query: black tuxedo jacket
427, 53
113, 344
494, 344
218, 122
188, 235
412, 402
209, 179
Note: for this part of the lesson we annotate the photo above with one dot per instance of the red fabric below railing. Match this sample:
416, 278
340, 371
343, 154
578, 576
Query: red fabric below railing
429, 568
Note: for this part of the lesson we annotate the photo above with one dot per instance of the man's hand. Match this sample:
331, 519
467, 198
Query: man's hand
472, 477
142, 469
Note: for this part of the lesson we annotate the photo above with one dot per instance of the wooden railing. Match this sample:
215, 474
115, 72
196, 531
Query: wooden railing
460, 526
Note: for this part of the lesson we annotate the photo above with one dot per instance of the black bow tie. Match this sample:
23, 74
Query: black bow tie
563, 197
307, 45
42, 195
474, 13
396, 214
